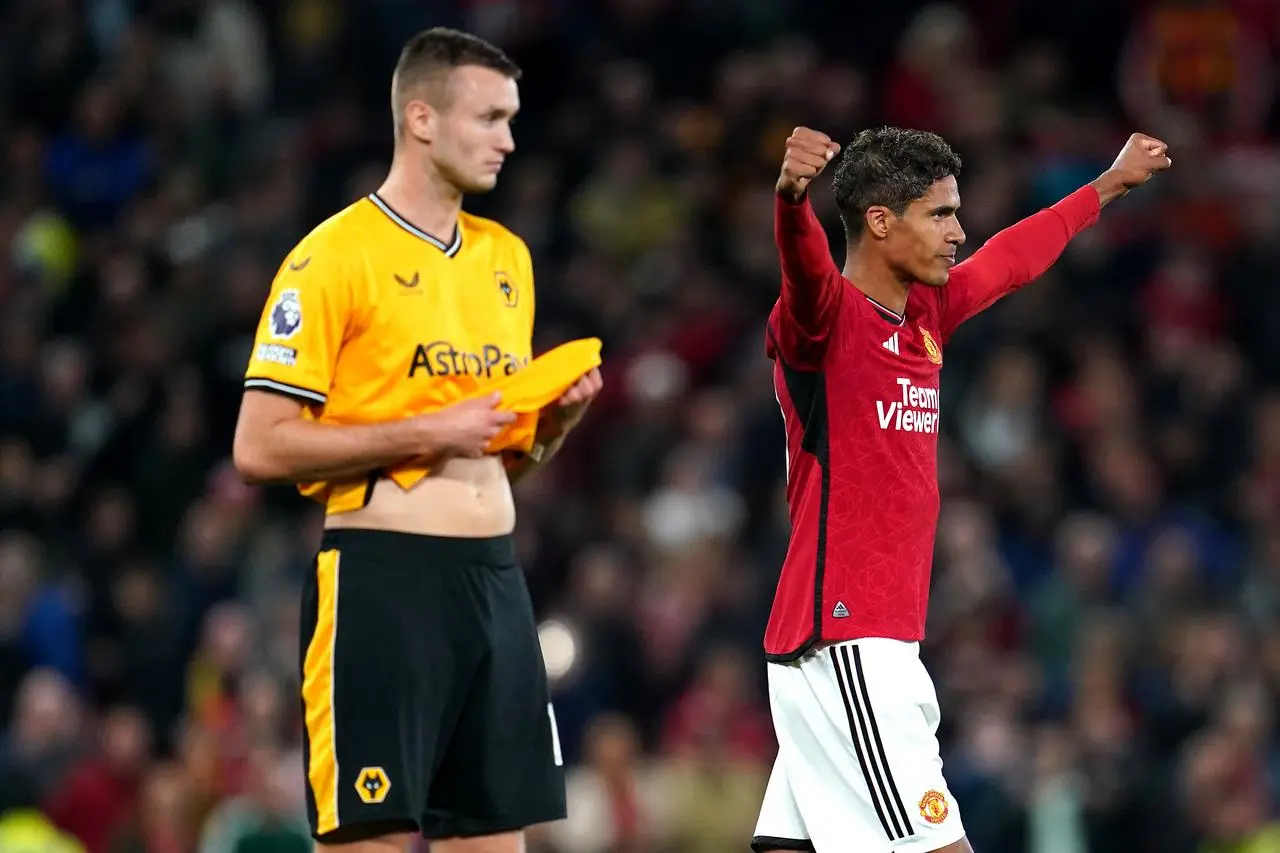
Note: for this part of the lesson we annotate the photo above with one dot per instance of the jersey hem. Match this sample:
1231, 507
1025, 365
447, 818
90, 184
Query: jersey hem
818, 639
763, 843
799, 652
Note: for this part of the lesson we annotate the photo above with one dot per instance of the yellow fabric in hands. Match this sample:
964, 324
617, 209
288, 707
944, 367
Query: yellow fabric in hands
525, 392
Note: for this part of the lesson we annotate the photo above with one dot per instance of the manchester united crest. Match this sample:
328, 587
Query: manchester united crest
931, 348
933, 807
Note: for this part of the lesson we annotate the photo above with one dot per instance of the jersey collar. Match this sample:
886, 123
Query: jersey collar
890, 316
450, 249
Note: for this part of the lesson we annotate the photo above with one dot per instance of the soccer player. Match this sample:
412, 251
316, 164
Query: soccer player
857, 355
423, 686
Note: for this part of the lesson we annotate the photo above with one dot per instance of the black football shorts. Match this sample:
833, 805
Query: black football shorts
424, 691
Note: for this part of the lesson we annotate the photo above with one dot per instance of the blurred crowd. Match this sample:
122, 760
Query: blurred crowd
1103, 633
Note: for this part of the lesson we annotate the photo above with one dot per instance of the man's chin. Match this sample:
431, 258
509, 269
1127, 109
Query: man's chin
481, 185
938, 279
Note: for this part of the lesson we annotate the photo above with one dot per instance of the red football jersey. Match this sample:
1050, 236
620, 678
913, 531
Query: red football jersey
859, 392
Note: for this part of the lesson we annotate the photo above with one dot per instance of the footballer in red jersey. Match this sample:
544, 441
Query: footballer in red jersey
857, 357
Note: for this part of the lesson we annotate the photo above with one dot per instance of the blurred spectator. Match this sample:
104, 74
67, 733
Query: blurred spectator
100, 795
718, 710
270, 816
46, 734
23, 829
42, 612
165, 820
98, 168
617, 795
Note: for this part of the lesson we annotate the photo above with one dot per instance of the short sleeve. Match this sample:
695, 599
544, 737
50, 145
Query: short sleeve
302, 327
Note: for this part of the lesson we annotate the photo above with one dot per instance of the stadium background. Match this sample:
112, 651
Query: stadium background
1103, 631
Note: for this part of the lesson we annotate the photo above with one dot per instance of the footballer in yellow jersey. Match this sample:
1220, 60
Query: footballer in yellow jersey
392, 378
371, 319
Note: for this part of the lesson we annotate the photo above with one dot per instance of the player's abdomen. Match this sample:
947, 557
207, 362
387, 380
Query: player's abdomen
461, 497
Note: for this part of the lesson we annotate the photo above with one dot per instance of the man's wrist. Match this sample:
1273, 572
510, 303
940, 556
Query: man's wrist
556, 422
410, 437
791, 195
1109, 187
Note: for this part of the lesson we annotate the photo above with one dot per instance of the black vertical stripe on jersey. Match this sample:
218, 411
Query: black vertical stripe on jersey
896, 799
846, 694
808, 394
807, 390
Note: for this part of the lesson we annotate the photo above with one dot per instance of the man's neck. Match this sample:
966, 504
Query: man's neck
425, 200
877, 280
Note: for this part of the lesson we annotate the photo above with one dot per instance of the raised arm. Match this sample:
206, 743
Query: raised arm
1017, 255
1023, 252
811, 284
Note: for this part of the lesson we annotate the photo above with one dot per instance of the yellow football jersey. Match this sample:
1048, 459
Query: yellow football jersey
371, 319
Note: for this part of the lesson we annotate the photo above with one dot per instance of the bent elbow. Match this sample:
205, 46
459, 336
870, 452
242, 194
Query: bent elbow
254, 467
256, 450
252, 471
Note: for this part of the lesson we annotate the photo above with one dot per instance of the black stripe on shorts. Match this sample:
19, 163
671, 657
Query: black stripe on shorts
867, 744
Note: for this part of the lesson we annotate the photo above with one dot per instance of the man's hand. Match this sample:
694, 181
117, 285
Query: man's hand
554, 423
1141, 157
572, 405
466, 428
808, 153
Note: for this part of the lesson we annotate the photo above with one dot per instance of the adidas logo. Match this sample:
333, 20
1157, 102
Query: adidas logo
840, 611
892, 344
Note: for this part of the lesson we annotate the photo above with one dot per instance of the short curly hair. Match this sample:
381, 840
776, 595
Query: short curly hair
889, 166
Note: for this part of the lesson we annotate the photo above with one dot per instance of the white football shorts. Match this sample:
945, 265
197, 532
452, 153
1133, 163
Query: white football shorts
858, 765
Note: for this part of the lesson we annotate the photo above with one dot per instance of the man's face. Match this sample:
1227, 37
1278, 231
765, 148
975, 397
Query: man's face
472, 127
922, 242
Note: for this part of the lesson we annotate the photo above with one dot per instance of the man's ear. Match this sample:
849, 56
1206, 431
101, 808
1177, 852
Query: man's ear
421, 120
876, 221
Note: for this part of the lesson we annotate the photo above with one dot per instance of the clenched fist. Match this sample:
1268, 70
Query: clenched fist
808, 153
1141, 157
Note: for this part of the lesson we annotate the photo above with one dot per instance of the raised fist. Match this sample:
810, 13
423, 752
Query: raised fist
808, 153
1141, 157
